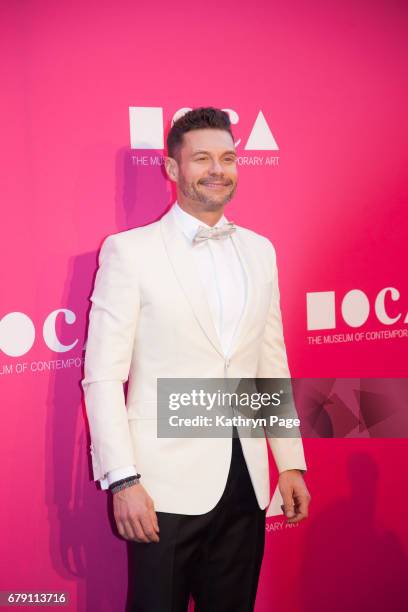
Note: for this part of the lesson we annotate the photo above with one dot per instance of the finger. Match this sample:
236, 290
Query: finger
301, 509
285, 512
303, 505
130, 531
121, 529
154, 520
139, 535
288, 503
148, 528
289, 509
298, 517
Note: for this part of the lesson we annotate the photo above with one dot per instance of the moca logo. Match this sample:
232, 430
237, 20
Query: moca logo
355, 308
17, 332
147, 129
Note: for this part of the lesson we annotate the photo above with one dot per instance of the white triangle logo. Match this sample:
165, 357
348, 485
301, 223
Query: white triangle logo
261, 137
274, 508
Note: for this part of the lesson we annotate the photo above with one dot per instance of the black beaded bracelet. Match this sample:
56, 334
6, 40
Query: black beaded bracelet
124, 483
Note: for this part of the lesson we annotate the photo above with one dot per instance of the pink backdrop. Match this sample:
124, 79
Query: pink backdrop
330, 80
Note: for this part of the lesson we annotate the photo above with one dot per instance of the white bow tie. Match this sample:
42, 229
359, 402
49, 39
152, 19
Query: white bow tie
219, 232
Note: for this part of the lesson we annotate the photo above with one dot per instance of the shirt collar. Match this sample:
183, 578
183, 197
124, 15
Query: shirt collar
188, 223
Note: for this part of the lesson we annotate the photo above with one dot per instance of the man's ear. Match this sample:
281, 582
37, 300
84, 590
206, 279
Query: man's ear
171, 168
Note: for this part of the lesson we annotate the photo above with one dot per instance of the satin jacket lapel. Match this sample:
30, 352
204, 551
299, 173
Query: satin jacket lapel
189, 281
245, 319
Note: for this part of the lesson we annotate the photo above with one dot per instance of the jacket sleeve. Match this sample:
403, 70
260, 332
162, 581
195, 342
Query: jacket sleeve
115, 305
287, 451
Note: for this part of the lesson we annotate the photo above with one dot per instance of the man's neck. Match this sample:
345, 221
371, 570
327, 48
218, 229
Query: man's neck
210, 217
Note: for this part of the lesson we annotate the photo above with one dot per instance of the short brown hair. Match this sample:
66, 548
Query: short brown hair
203, 117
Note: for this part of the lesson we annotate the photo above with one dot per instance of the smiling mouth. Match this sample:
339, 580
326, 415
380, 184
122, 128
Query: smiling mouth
214, 185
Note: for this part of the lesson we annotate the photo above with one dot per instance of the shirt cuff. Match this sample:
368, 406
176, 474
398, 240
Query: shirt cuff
118, 474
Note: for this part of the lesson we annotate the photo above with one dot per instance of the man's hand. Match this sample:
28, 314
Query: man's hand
134, 514
296, 497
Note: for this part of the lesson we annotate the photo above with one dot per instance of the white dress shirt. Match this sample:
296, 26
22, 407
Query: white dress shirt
223, 277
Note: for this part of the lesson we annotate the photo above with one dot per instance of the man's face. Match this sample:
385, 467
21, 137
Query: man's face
207, 168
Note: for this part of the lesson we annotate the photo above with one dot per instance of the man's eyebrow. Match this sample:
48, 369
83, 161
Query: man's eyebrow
231, 152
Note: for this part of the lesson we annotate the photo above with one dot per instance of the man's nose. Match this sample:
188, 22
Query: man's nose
216, 167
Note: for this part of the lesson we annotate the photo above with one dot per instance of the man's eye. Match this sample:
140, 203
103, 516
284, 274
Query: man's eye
227, 159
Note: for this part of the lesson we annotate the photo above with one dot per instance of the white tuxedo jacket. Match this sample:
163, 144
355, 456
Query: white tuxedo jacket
150, 319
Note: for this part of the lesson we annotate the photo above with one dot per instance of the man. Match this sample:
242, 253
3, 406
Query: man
188, 296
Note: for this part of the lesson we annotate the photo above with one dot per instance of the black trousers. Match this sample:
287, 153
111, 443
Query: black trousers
216, 557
